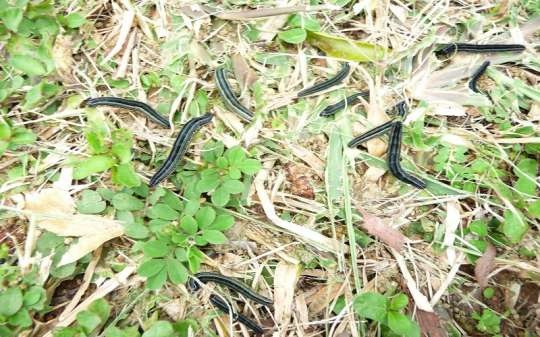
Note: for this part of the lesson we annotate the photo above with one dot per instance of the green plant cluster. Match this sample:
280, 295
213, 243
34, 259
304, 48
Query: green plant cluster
108, 150
28, 30
12, 137
387, 311
20, 297
92, 320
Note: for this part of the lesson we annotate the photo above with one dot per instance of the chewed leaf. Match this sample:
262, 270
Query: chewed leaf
338, 47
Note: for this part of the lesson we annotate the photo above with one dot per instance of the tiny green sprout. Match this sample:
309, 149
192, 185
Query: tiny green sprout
489, 322
488, 292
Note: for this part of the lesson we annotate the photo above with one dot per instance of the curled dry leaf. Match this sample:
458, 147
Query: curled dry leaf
387, 234
243, 72
324, 296
63, 59
430, 324
54, 211
300, 182
285, 279
484, 266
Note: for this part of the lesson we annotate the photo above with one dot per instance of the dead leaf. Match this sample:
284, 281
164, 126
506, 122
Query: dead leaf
285, 278
377, 228
300, 182
243, 72
63, 58
430, 324
324, 296
54, 211
484, 266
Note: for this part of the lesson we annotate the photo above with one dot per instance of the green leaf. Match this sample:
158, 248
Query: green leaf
220, 197
88, 321
173, 200
101, 308
212, 151
156, 248
222, 162
479, 228
189, 225
235, 173
233, 186
222, 222
92, 165
90, 203
125, 175
208, 183
28, 65
151, 267
74, 20
213, 236
11, 18
250, 166
192, 206
371, 305
295, 35
157, 281
126, 202
528, 169
514, 226
402, 325
194, 259
136, 231
33, 295
399, 302
205, 216
122, 151
304, 21
163, 211
11, 300
178, 274
235, 155
5, 130
22, 136
21, 319
534, 209
160, 329
338, 47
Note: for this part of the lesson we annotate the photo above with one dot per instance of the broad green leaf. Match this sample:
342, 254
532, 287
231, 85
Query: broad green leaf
122, 151
21, 319
222, 222
151, 267
160, 329
163, 211
205, 216
527, 173
234, 173
74, 20
126, 202
101, 308
235, 155
136, 231
172, 200
125, 175
338, 47
5, 130
213, 236
11, 300
220, 197
222, 162
402, 325
27, 65
250, 166
399, 302
371, 305
304, 21
233, 186
194, 259
90, 203
334, 167
212, 151
157, 281
192, 206
92, 165
11, 18
88, 321
208, 183
22, 136
294, 35
155, 248
33, 295
534, 209
178, 274
514, 226
479, 227
189, 225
